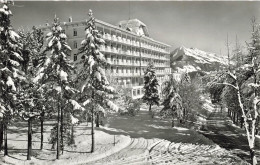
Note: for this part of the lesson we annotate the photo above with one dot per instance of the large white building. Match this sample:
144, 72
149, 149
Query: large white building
128, 49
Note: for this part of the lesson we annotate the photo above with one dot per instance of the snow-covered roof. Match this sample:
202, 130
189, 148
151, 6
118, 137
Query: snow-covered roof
134, 25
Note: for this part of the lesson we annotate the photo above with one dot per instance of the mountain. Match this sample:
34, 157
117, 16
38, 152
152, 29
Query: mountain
195, 60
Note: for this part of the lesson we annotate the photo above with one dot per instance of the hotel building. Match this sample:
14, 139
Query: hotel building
128, 48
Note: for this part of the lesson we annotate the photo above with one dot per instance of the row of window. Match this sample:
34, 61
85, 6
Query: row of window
133, 70
75, 33
126, 60
124, 49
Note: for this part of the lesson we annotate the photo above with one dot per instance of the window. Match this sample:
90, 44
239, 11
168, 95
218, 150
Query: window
75, 32
134, 92
75, 57
75, 44
138, 92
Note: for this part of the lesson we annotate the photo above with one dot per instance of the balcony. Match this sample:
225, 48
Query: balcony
124, 40
108, 49
102, 48
109, 60
120, 51
114, 38
114, 50
128, 52
128, 63
119, 39
133, 53
128, 41
107, 36
122, 62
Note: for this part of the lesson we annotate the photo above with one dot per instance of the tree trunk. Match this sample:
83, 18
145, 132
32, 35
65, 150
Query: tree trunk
92, 131
251, 141
5, 135
29, 149
238, 117
150, 107
253, 157
92, 126
72, 135
42, 120
234, 117
172, 122
1, 135
97, 120
41, 134
61, 130
58, 133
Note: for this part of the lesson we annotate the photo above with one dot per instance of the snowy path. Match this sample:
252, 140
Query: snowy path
155, 142
223, 133
157, 151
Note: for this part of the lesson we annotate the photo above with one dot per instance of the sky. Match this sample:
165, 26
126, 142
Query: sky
199, 24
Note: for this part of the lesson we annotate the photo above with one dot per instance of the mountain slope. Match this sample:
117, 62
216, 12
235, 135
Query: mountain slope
193, 60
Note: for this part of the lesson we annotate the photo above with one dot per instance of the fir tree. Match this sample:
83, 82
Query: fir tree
151, 96
55, 72
10, 58
189, 91
172, 100
94, 86
30, 96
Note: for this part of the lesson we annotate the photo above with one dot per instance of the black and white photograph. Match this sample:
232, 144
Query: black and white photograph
129, 82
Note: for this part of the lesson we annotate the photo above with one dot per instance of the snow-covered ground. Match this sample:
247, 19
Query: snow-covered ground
154, 141
79, 153
140, 139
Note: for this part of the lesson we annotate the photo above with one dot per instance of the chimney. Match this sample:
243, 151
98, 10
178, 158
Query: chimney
70, 19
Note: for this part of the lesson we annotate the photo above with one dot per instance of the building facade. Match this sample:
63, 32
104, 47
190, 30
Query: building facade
128, 48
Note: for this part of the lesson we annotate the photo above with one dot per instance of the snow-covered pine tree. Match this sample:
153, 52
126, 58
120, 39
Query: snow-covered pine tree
190, 91
30, 96
172, 100
94, 86
151, 94
37, 43
55, 71
10, 56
